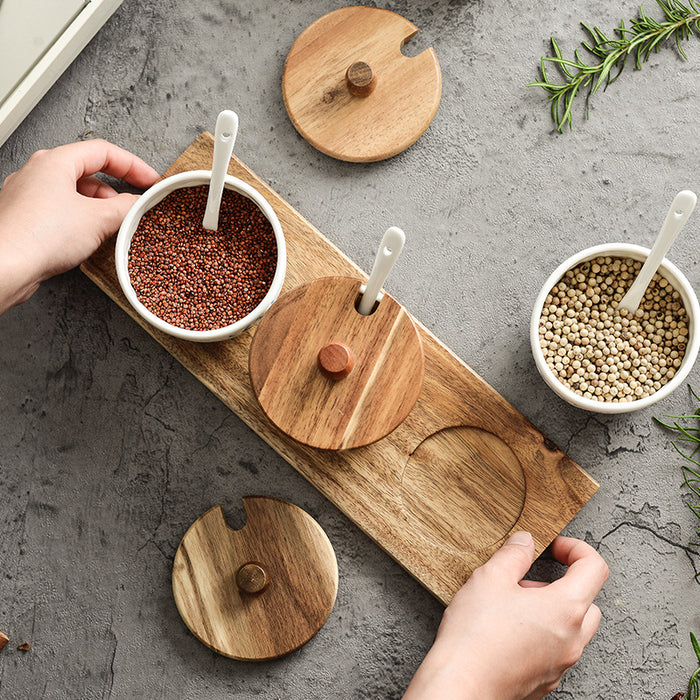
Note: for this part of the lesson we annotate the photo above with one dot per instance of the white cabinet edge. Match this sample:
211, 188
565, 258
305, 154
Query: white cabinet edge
47, 70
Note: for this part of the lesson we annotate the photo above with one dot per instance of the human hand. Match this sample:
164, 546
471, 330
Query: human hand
504, 638
54, 213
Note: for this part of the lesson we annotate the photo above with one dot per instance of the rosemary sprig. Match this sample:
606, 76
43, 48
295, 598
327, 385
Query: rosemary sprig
691, 479
644, 36
688, 433
694, 683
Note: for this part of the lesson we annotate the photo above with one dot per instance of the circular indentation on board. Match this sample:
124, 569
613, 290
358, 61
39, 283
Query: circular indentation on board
259, 592
321, 403
463, 488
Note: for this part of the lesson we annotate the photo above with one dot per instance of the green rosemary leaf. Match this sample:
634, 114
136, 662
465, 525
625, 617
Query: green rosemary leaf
666, 425
654, 45
684, 431
569, 103
607, 66
694, 686
682, 454
691, 480
696, 475
555, 47
694, 487
644, 36
683, 8
555, 108
600, 36
594, 47
611, 80
693, 453
696, 645
540, 84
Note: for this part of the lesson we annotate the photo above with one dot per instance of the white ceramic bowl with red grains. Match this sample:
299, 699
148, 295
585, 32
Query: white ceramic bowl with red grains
239, 315
606, 361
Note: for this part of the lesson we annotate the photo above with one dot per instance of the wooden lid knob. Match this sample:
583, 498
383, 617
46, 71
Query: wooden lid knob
336, 360
251, 578
360, 79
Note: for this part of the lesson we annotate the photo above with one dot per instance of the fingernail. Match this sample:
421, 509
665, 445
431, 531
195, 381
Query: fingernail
521, 537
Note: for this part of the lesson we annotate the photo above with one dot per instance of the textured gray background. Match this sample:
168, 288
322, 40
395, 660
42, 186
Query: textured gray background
109, 449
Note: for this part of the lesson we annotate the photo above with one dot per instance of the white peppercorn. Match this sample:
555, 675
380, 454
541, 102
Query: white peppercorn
605, 354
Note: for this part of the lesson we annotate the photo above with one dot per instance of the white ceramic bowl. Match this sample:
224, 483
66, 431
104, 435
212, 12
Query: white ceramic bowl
157, 193
678, 281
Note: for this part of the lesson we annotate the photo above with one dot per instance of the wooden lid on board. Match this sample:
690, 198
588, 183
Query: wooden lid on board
349, 90
259, 592
327, 375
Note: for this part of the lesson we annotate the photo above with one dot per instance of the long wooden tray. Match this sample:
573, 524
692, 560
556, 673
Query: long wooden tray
444, 489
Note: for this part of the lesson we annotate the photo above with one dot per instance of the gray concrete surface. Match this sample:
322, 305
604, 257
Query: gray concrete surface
109, 449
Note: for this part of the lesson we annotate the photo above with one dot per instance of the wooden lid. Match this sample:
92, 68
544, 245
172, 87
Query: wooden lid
349, 90
259, 592
329, 376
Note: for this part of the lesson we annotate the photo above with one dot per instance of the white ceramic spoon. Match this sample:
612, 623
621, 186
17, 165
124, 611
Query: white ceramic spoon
224, 138
389, 250
681, 208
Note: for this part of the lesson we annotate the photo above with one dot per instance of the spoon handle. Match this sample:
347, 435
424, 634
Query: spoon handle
389, 250
681, 208
224, 138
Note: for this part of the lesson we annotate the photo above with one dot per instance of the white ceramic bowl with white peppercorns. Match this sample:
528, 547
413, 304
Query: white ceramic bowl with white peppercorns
606, 360
193, 283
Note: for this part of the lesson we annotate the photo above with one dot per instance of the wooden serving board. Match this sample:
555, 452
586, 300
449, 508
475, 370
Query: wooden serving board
442, 491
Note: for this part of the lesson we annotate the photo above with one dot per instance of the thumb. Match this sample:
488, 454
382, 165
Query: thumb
111, 212
514, 558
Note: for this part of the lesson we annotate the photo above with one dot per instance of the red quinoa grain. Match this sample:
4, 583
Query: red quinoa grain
198, 279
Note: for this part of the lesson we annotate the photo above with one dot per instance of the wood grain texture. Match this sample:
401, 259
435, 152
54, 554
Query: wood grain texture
376, 118
371, 400
259, 592
366, 483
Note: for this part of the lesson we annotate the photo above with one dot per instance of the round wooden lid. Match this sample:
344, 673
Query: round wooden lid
349, 90
327, 375
259, 592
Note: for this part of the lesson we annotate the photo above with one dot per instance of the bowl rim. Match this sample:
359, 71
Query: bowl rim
154, 195
679, 282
